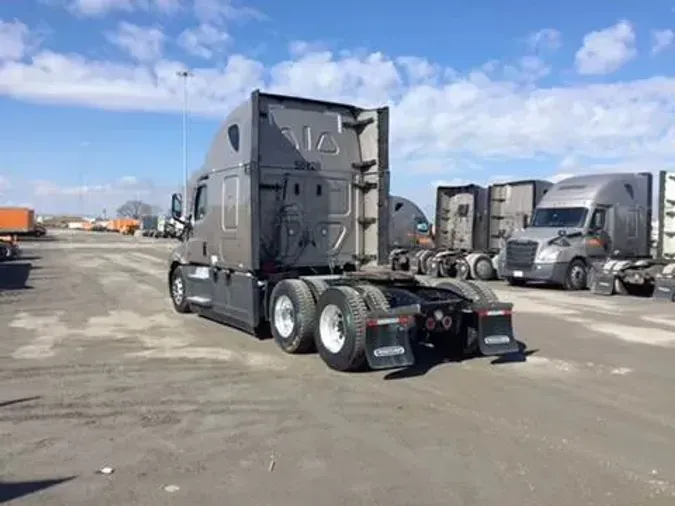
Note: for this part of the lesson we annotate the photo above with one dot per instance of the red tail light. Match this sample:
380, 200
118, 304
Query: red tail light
446, 322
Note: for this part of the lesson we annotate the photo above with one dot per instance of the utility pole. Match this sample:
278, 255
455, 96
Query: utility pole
185, 75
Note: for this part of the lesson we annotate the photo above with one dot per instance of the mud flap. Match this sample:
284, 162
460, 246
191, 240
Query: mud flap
664, 284
388, 338
664, 289
495, 329
602, 282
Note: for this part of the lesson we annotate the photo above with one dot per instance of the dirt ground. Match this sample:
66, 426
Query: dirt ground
98, 371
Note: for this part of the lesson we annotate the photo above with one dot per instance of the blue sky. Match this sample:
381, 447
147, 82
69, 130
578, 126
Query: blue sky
480, 91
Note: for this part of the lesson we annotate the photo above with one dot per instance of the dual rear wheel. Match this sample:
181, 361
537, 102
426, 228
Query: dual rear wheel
308, 316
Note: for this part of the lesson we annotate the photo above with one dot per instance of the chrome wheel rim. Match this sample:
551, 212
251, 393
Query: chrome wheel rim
332, 328
284, 316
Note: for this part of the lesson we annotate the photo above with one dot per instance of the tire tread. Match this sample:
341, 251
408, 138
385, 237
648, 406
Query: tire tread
374, 297
299, 292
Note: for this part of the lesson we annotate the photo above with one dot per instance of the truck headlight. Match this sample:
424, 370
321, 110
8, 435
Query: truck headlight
548, 256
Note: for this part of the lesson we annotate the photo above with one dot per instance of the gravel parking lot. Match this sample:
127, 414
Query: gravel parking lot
97, 370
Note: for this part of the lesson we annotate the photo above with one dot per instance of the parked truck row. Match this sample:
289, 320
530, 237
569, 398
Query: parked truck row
471, 224
287, 227
590, 231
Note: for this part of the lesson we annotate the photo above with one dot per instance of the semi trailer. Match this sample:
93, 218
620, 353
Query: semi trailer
472, 223
287, 231
596, 231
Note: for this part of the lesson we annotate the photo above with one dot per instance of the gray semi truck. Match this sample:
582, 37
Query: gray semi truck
408, 225
287, 229
596, 230
472, 223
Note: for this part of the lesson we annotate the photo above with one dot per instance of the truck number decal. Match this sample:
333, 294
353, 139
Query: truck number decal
305, 165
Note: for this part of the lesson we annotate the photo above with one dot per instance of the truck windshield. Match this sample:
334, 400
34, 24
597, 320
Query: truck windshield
561, 217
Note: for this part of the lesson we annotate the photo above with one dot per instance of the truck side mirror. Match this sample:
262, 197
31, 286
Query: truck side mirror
176, 206
423, 228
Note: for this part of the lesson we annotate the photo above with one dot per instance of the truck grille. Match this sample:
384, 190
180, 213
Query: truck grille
520, 254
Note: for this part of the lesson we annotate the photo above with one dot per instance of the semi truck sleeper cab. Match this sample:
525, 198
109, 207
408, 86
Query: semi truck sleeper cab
579, 221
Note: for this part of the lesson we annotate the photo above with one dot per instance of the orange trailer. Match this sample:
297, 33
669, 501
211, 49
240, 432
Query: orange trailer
17, 220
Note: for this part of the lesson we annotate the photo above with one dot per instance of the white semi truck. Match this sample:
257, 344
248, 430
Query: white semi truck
596, 231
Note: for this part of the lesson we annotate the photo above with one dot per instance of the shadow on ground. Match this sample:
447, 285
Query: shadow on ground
426, 358
32, 238
14, 274
15, 490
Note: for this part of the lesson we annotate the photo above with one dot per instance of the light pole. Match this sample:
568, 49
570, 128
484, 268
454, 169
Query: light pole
185, 74
83, 148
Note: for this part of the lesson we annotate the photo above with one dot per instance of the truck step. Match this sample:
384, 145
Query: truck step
200, 301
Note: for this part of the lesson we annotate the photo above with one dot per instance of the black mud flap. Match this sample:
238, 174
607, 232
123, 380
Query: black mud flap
494, 328
664, 289
388, 338
603, 283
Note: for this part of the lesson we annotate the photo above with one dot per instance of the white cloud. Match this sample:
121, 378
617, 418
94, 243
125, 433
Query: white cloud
219, 11
168, 6
203, 41
123, 186
606, 51
547, 38
16, 40
142, 43
435, 111
442, 121
206, 11
95, 8
419, 70
662, 39
528, 69
99, 8
50, 197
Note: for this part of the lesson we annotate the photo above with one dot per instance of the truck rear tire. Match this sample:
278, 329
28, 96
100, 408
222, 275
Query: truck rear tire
463, 269
483, 269
460, 287
486, 293
340, 328
316, 286
374, 298
292, 311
